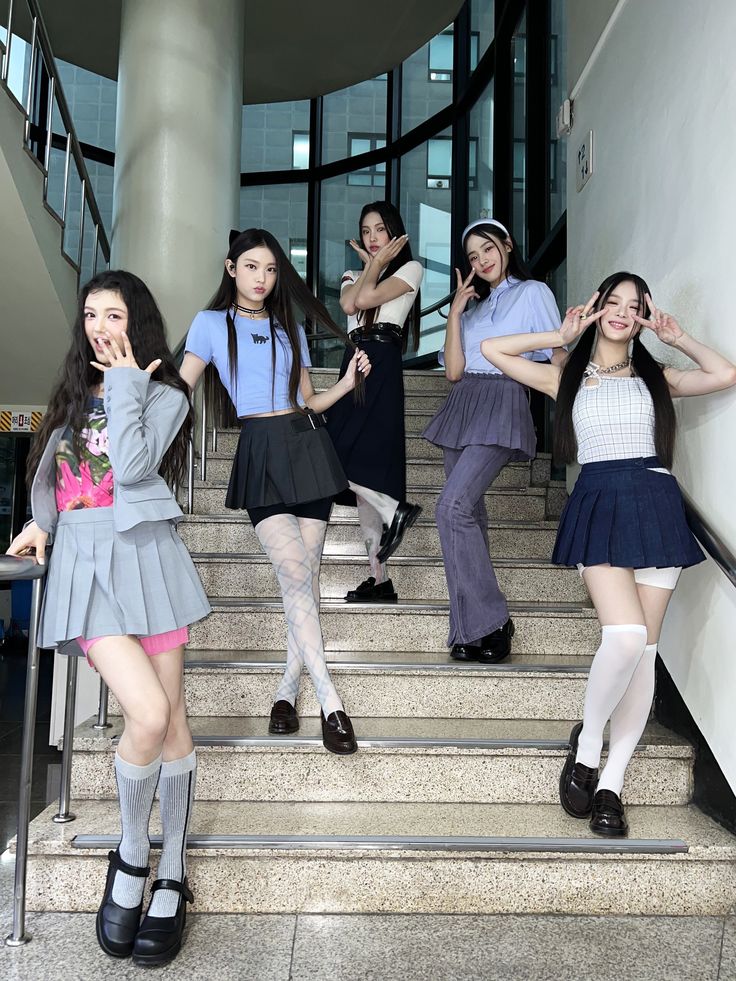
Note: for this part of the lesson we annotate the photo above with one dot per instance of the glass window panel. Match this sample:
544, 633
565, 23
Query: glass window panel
357, 109
92, 101
267, 140
480, 197
558, 93
441, 57
421, 97
426, 214
279, 208
300, 151
439, 157
518, 61
18, 68
482, 22
367, 176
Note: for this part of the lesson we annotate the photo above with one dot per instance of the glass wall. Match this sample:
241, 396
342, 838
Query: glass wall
558, 93
426, 80
275, 137
354, 120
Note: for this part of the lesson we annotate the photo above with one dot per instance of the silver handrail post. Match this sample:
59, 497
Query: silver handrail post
31, 84
19, 936
102, 722
6, 59
64, 815
190, 476
203, 434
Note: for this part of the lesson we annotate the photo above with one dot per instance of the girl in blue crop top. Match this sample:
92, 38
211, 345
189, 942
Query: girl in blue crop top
285, 472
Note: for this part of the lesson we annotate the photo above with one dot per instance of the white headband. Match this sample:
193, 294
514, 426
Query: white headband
486, 221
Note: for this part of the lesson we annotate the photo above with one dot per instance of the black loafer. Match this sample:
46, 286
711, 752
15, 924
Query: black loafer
405, 516
283, 718
496, 646
371, 592
116, 925
465, 652
337, 734
577, 781
608, 817
159, 937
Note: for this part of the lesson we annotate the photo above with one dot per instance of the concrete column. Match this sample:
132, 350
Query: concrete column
177, 167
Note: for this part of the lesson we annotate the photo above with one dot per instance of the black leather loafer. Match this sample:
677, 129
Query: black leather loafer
370, 591
159, 937
608, 817
405, 516
496, 646
283, 718
337, 734
117, 926
465, 652
577, 781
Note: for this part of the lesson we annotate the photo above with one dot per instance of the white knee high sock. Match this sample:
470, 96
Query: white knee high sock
136, 787
614, 664
371, 527
176, 797
628, 721
293, 561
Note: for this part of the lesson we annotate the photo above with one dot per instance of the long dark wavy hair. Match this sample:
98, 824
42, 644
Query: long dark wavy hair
394, 225
68, 402
516, 267
289, 292
650, 371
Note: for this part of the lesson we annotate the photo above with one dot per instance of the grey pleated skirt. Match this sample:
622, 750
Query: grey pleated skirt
108, 583
485, 410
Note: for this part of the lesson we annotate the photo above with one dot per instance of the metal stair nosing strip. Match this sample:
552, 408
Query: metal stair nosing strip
373, 667
429, 843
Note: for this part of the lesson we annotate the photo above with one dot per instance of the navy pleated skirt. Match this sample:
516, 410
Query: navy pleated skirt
625, 513
485, 409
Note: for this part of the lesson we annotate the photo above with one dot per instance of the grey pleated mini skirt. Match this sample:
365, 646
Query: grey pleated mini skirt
108, 583
485, 410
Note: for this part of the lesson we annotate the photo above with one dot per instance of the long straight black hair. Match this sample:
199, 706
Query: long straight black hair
394, 225
289, 292
516, 267
68, 402
650, 371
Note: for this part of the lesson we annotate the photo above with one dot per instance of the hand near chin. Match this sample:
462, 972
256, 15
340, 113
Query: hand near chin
364, 256
663, 324
121, 358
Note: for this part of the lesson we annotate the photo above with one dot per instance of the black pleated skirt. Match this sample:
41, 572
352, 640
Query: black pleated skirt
625, 513
369, 437
284, 460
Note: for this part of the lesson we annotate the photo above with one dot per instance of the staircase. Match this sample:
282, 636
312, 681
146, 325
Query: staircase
450, 805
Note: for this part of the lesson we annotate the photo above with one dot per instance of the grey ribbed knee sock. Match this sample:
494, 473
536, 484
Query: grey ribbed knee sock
136, 787
176, 797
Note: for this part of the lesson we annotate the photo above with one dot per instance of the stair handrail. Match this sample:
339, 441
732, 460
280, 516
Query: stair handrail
40, 41
710, 539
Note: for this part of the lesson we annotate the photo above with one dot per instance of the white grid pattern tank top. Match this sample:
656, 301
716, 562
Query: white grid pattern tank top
613, 420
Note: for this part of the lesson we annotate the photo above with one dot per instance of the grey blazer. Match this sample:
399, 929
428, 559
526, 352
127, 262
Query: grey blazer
143, 417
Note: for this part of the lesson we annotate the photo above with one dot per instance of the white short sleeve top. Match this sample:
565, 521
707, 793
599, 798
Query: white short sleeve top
397, 310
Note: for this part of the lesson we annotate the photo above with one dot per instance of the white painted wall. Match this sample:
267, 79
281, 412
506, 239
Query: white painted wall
661, 100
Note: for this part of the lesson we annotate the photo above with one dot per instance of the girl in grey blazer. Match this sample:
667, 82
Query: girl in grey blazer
121, 582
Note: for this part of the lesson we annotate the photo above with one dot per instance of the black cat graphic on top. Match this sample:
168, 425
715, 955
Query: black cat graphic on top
259, 338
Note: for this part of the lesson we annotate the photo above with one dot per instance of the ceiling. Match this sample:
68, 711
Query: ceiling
293, 49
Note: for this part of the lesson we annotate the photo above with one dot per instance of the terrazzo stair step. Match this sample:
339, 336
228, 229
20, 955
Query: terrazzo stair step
253, 857
417, 448
413, 578
423, 687
232, 532
416, 381
399, 759
541, 628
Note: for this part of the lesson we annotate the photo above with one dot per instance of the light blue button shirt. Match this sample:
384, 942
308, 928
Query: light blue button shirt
514, 307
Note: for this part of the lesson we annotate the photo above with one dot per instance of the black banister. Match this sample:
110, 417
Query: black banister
710, 540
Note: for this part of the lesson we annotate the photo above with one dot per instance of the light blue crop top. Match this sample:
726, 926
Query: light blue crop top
207, 338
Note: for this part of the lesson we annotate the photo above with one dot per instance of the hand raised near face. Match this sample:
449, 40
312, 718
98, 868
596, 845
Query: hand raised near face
364, 255
663, 324
121, 358
390, 250
464, 293
577, 319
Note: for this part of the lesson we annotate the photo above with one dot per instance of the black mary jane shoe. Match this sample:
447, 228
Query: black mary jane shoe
405, 516
496, 646
465, 652
283, 718
116, 925
337, 733
370, 591
608, 817
159, 937
577, 781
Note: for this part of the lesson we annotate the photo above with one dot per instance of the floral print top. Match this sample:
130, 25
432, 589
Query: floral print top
85, 481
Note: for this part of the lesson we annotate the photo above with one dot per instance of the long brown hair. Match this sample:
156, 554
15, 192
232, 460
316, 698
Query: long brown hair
68, 402
289, 292
650, 371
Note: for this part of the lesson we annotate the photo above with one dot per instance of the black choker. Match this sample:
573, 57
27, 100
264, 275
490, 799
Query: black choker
249, 313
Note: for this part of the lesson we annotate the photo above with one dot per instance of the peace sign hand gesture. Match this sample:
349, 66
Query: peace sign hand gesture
121, 359
664, 326
577, 319
464, 293
364, 256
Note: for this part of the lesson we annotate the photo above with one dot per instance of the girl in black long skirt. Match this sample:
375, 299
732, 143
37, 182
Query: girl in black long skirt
382, 303
624, 524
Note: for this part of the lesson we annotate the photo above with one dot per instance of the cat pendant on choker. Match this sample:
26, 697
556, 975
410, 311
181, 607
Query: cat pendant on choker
252, 314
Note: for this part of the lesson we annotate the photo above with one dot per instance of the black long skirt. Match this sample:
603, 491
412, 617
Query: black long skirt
369, 437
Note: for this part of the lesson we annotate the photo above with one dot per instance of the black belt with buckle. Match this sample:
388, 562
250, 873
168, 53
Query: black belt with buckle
384, 333
309, 420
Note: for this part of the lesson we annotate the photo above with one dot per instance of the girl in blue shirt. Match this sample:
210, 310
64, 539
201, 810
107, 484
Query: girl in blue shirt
285, 472
484, 424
